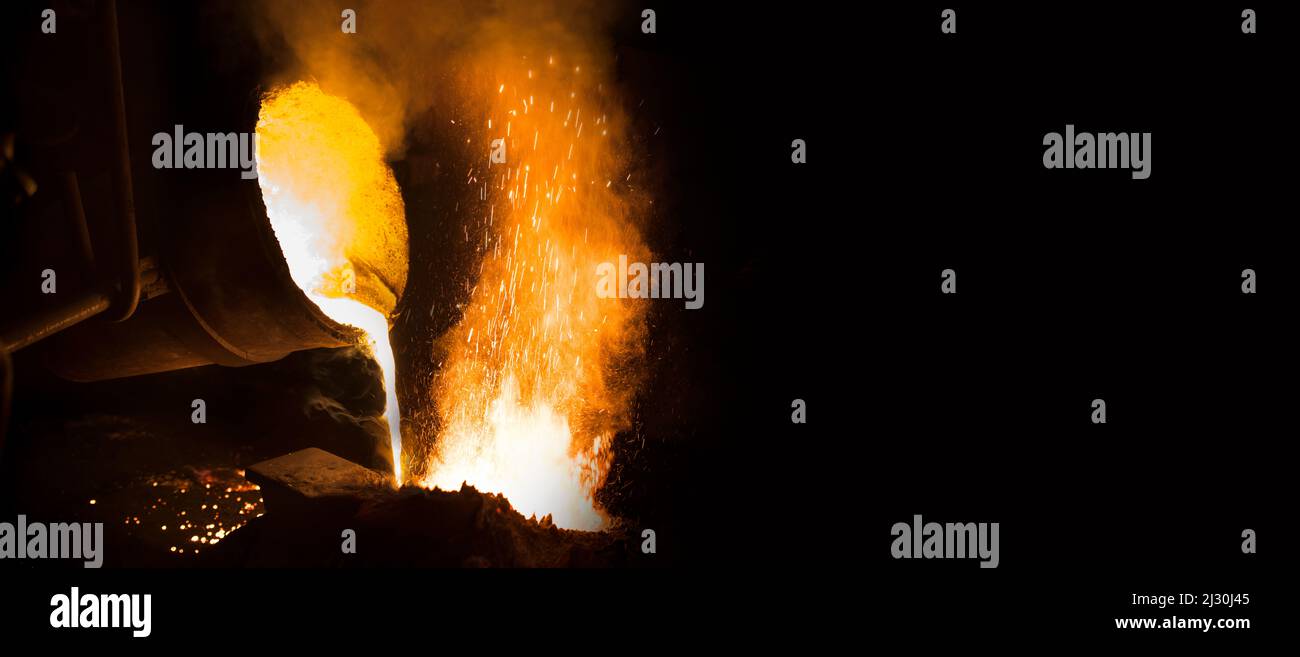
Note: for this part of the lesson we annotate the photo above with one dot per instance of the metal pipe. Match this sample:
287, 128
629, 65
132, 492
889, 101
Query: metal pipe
124, 295
48, 322
128, 261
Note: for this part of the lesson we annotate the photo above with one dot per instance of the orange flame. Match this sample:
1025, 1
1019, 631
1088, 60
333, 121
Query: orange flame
530, 392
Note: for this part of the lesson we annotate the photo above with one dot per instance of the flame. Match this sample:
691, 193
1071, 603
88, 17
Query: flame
529, 393
338, 216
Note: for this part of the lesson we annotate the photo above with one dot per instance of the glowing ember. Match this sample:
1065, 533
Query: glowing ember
529, 394
339, 218
187, 511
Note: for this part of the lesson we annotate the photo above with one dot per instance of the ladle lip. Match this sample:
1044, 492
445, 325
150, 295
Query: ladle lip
270, 245
343, 333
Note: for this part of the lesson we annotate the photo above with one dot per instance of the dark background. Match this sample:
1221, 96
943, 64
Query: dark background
822, 283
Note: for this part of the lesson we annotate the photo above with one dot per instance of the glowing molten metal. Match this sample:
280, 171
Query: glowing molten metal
338, 215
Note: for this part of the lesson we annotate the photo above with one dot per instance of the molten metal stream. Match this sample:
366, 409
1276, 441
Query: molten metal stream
374, 325
338, 215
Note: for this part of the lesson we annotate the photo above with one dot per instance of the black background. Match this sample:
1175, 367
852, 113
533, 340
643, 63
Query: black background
924, 153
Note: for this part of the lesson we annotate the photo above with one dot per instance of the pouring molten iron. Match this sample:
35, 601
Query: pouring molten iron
338, 215
529, 386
